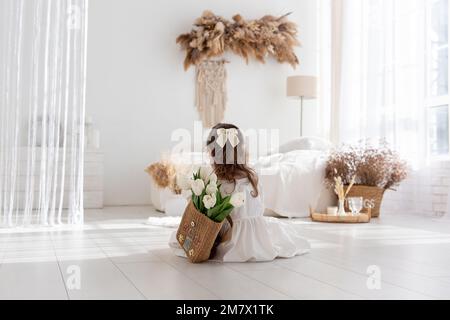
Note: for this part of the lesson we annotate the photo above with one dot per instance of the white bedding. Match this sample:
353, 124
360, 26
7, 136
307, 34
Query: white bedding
293, 181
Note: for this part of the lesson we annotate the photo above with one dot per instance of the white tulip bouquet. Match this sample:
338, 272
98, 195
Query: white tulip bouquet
207, 198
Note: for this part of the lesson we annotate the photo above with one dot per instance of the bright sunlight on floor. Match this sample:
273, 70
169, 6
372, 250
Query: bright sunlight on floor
117, 256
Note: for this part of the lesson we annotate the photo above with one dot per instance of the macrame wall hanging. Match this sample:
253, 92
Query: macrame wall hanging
213, 35
211, 91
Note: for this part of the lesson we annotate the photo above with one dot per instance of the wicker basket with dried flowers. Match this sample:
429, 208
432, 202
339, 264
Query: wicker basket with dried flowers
376, 169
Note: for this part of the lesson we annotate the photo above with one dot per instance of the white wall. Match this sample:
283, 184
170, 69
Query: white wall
138, 92
425, 192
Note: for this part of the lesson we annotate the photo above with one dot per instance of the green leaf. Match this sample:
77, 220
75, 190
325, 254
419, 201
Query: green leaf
218, 196
228, 206
196, 202
201, 201
223, 215
225, 209
214, 211
220, 210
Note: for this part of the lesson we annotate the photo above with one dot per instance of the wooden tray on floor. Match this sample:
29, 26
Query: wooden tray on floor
364, 217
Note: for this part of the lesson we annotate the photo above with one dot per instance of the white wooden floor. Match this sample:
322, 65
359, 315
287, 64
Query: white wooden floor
118, 257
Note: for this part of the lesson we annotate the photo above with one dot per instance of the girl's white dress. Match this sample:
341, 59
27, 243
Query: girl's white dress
253, 236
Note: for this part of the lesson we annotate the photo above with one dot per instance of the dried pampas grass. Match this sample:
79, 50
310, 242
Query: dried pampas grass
339, 187
213, 35
164, 175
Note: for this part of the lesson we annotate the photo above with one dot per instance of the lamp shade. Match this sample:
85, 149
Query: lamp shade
302, 86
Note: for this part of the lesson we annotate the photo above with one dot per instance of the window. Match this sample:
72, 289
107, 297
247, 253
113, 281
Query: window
437, 66
439, 133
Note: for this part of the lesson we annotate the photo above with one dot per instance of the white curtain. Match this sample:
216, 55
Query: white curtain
379, 74
42, 99
377, 81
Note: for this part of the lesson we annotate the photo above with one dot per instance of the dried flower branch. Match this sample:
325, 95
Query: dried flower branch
213, 35
339, 188
352, 182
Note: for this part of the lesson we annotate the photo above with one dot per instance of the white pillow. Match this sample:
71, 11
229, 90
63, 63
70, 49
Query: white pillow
305, 143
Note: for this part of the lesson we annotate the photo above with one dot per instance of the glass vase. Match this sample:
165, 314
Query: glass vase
341, 209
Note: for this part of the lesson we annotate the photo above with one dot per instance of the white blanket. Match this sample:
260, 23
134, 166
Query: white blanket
294, 181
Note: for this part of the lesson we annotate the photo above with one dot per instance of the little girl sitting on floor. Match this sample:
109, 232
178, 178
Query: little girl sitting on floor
252, 237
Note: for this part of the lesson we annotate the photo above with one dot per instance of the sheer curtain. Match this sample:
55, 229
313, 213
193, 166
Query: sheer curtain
42, 98
377, 82
381, 81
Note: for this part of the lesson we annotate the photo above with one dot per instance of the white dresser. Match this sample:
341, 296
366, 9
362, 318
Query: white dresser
93, 179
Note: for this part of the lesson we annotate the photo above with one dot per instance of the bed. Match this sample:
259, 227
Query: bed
292, 178
292, 182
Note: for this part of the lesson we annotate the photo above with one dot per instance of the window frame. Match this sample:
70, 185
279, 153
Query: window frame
435, 101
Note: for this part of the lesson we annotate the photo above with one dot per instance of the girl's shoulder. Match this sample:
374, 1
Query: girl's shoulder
240, 185
238, 182
242, 181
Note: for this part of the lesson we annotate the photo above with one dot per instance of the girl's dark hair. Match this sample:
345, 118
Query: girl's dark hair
231, 162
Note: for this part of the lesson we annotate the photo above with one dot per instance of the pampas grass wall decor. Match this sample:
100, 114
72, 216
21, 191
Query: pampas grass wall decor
213, 35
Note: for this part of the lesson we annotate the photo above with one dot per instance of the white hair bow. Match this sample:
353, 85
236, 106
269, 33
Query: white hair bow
227, 134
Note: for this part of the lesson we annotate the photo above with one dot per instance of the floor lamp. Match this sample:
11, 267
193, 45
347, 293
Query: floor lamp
303, 88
